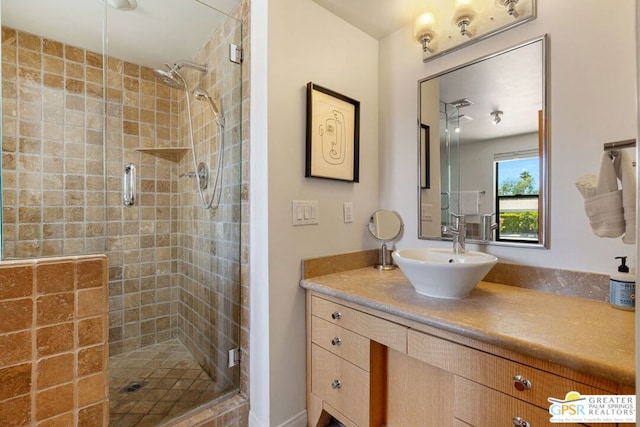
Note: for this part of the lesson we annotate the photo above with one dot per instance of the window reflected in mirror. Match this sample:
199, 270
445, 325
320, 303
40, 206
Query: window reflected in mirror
517, 197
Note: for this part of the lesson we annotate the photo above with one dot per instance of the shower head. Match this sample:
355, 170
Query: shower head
203, 95
170, 77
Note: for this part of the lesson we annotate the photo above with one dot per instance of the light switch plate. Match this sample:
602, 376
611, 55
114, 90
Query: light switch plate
305, 212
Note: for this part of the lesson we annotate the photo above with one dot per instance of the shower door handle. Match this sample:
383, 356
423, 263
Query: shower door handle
129, 184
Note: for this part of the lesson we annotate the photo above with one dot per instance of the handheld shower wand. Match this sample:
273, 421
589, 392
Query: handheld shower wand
202, 95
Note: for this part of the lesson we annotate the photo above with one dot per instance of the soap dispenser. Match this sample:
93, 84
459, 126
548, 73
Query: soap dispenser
622, 287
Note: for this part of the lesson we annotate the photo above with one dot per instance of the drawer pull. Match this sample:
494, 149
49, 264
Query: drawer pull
336, 384
336, 315
519, 422
521, 383
336, 341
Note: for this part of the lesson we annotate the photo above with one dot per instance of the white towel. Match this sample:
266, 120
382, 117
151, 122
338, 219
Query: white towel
607, 179
470, 202
604, 209
626, 173
587, 185
605, 214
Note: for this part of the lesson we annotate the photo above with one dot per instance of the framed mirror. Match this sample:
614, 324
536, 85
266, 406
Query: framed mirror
484, 126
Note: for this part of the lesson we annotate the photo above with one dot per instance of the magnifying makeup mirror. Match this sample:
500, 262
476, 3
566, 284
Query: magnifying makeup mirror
385, 226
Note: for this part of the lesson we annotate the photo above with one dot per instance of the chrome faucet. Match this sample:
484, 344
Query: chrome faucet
458, 231
487, 226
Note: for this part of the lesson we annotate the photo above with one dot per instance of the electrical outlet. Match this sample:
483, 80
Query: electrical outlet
426, 213
347, 210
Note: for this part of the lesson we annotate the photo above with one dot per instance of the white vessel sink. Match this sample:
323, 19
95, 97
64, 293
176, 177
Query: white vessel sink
441, 273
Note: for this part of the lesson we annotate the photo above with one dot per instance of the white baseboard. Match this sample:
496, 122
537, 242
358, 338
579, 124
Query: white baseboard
253, 421
299, 420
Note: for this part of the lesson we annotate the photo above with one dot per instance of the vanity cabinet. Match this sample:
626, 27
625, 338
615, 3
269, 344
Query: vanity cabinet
493, 390
366, 367
347, 362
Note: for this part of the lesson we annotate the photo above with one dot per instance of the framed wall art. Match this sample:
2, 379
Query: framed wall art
333, 135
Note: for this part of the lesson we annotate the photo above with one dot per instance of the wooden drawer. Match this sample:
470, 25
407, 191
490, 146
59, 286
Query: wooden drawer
341, 342
481, 406
351, 397
380, 330
493, 371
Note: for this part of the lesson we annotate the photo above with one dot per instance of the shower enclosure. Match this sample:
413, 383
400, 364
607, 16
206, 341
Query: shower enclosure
82, 110
449, 124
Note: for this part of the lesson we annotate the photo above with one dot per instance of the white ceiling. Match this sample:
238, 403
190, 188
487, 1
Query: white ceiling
156, 32
379, 18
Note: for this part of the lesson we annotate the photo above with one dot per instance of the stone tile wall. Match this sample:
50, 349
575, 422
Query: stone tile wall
53, 342
145, 243
208, 240
140, 113
52, 169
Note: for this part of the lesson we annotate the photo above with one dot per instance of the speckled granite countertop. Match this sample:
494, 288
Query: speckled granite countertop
585, 335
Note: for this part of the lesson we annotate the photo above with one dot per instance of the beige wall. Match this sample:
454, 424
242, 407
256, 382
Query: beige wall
53, 342
305, 43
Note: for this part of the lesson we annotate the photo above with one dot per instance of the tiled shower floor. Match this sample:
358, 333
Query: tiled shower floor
172, 384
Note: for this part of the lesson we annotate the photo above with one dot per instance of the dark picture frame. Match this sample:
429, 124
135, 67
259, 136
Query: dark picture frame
333, 135
425, 169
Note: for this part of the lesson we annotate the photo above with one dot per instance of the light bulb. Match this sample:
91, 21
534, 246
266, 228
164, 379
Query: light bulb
423, 31
423, 25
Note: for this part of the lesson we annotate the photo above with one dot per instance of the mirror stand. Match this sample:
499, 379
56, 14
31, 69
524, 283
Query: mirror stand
385, 226
385, 259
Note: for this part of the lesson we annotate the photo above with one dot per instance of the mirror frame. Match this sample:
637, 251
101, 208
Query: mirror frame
543, 233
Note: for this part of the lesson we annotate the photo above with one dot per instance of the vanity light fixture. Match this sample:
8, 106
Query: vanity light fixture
423, 32
451, 25
511, 7
464, 16
496, 116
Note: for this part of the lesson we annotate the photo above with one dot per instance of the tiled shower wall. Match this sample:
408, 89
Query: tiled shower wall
54, 186
52, 113
146, 243
209, 239
54, 182
141, 243
53, 342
